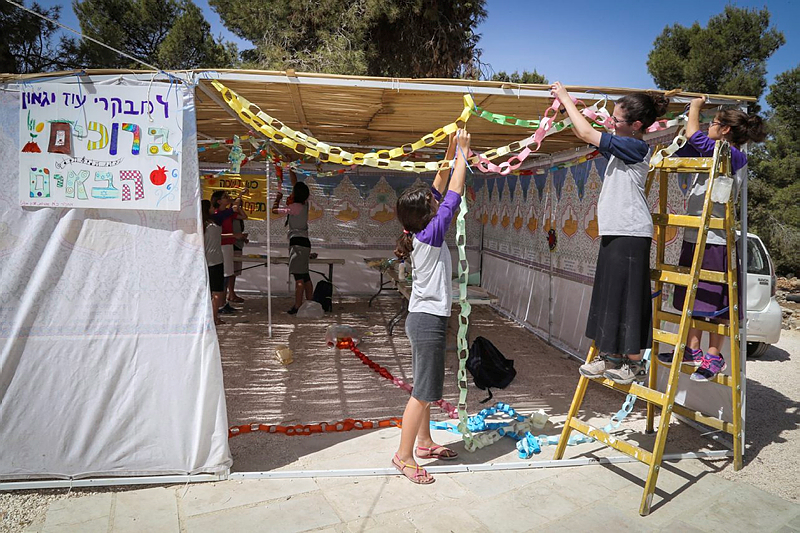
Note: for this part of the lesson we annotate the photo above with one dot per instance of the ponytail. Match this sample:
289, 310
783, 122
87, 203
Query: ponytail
744, 127
414, 210
405, 244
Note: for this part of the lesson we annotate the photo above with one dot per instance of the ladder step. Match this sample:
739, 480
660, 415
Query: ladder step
689, 165
675, 318
634, 451
697, 416
646, 394
665, 337
678, 275
686, 221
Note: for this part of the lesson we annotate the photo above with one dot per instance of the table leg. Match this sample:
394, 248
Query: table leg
330, 278
396, 318
380, 288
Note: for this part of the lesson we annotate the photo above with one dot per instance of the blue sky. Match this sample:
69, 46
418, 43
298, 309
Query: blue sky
604, 44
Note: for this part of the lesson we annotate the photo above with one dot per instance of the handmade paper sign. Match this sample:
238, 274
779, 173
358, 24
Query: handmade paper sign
254, 202
114, 147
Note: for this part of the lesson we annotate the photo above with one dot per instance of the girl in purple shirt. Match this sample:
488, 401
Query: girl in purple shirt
711, 300
425, 221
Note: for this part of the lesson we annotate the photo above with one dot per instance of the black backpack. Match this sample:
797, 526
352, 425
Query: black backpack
489, 368
323, 295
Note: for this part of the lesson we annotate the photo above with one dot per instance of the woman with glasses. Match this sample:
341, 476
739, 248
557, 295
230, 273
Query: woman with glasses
711, 301
620, 312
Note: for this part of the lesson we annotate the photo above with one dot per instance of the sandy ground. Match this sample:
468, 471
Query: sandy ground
324, 384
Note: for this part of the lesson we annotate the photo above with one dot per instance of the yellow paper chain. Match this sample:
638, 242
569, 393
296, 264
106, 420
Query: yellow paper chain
307, 145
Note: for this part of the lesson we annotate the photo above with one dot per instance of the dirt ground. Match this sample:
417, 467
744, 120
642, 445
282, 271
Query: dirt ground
328, 385
324, 384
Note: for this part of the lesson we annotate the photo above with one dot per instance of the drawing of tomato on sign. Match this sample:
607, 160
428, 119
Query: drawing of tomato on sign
159, 176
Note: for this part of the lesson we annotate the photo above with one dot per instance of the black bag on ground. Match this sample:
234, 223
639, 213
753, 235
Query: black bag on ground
489, 368
323, 295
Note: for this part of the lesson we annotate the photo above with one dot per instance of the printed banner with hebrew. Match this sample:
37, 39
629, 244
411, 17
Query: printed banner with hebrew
254, 202
115, 147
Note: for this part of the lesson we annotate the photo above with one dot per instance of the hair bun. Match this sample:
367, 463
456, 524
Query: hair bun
660, 102
756, 128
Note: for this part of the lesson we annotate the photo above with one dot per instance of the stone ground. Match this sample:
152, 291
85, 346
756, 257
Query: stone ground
329, 385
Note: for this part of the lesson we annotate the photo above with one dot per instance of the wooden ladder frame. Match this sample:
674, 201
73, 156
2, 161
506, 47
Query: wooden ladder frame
718, 165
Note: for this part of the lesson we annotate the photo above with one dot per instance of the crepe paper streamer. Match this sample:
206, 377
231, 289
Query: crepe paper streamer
348, 344
347, 424
527, 446
306, 145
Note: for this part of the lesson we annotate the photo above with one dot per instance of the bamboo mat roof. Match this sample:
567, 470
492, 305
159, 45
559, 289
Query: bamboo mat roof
364, 113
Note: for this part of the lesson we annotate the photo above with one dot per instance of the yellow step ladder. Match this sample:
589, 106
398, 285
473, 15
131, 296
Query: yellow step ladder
716, 166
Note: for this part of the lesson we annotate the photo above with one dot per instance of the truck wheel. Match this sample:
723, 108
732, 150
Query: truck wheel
756, 349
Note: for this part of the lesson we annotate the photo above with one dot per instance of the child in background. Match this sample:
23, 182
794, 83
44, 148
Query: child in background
299, 243
238, 250
620, 312
224, 214
711, 300
212, 238
425, 221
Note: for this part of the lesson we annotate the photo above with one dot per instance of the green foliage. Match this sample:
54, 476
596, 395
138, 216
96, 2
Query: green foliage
516, 77
393, 38
774, 193
170, 34
728, 56
27, 45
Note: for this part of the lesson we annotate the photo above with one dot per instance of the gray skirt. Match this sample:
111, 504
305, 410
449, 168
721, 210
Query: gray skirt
298, 259
428, 335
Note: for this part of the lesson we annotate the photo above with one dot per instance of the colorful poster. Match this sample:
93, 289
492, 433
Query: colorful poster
112, 147
254, 202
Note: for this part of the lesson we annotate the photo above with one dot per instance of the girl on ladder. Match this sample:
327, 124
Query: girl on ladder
711, 300
620, 312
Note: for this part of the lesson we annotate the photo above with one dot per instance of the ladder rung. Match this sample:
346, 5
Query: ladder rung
697, 416
722, 379
618, 444
686, 221
678, 275
689, 165
665, 337
721, 329
649, 395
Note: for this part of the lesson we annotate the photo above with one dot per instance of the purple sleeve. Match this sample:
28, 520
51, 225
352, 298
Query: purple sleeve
436, 194
700, 145
221, 216
434, 232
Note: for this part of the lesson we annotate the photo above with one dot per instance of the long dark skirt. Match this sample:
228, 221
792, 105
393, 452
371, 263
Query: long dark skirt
621, 310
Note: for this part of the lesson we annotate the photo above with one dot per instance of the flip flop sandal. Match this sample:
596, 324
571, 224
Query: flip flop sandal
420, 476
436, 452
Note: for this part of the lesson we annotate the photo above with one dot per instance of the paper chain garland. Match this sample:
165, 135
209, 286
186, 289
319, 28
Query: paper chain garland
306, 145
348, 344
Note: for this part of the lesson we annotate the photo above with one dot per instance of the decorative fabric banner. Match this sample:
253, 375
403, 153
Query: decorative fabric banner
116, 148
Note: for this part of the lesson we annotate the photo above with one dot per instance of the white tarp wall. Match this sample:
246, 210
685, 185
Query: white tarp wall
550, 291
109, 363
